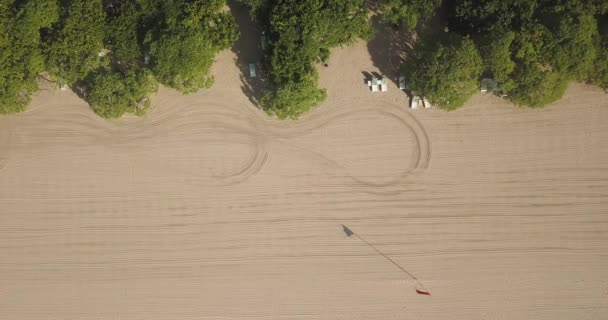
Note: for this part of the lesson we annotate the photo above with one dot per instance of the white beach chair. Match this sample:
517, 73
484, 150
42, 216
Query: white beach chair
252, 71
402, 82
415, 102
426, 102
373, 84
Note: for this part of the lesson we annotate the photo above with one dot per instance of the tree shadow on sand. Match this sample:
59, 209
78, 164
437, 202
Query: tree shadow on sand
389, 48
248, 50
391, 45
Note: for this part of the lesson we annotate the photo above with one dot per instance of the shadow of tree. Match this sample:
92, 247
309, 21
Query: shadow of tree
389, 48
80, 89
248, 50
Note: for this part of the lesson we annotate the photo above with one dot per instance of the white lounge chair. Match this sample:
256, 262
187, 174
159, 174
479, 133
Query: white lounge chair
384, 84
402, 82
252, 71
263, 41
415, 102
373, 84
427, 104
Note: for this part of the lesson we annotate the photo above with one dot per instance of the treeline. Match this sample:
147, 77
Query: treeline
300, 34
114, 51
531, 48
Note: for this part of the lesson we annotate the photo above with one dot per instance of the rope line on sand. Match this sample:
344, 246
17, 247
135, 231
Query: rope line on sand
351, 233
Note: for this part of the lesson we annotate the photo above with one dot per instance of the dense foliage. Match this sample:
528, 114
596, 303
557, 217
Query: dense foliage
93, 43
113, 93
73, 45
125, 28
301, 34
446, 72
117, 50
407, 13
21, 57
534, 48
599, 73
183, 46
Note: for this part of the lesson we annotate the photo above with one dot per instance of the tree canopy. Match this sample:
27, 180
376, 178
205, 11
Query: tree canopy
21, 57
445, 72
92, 42
183, 46
125, 30
407, 13
301, 34
73, 44
599, 74
496, 55
113, 93
534, 48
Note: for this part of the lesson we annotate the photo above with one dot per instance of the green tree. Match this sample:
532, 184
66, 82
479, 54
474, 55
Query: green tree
124, 25
295, 48
536, 86
260, 10
184, 45
74, 43
407, 13
593, 7
113, 93
293, 99
599, 74
570, 48
495, 52
21, 58
301, 34
533, 48
447, 72
535, 81
474, 17
341, 22
183, 61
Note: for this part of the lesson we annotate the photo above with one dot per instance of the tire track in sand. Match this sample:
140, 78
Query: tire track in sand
202, 126
262, 130
225, 125
422, 151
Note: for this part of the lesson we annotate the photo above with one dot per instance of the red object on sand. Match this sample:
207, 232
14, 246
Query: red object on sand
423, 292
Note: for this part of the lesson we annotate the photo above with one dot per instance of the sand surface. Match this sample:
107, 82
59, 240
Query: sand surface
206, 208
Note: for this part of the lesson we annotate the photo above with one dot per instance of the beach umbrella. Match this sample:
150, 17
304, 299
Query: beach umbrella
420, 289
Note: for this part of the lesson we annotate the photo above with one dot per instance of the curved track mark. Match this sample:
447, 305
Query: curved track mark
422, 147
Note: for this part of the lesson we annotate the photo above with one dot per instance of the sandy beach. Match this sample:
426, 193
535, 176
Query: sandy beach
206, 208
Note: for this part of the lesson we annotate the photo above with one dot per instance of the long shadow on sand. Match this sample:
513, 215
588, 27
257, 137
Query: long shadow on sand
248, 50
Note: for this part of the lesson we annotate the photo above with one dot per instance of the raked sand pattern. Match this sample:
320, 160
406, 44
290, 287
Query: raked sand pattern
206, 208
